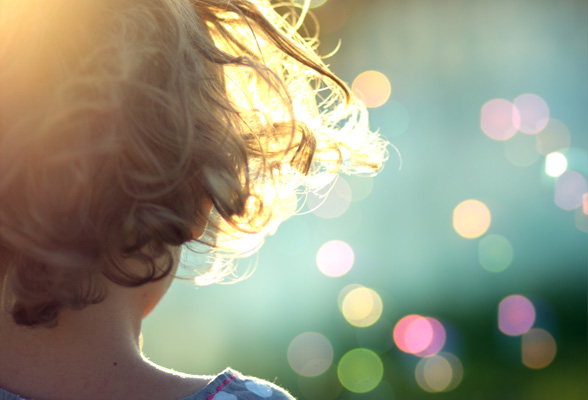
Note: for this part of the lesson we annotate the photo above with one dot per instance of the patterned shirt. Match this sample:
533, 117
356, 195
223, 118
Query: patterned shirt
229, 385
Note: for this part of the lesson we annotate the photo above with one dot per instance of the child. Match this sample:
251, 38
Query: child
129, 128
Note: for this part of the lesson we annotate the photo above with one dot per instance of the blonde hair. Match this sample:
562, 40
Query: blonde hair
121, 119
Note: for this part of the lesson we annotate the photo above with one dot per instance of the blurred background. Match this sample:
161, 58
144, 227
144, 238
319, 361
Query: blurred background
459, 272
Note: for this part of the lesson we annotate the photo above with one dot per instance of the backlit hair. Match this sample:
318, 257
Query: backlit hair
121, 119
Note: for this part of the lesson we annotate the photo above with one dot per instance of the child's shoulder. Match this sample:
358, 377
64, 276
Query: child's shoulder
231, 385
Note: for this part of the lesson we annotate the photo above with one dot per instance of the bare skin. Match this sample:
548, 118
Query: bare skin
94, 352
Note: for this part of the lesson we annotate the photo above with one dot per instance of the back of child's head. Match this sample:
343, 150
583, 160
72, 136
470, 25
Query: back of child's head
121, 119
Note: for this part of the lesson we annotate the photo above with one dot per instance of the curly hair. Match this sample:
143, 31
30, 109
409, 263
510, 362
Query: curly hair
121, 119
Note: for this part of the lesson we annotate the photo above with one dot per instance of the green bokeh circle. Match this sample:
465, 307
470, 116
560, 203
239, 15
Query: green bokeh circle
495, 253
360, 370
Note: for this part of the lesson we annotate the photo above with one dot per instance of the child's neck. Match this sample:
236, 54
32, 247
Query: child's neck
94, 351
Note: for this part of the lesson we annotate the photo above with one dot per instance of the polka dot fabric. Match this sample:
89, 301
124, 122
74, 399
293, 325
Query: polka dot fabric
231, 385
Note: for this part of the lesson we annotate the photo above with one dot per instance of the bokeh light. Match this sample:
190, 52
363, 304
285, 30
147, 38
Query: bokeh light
570, 188
533, 111
440, 373
310, 354
520, 150
372, 87
516, 315
438, 340
554, 137
362, 307
335, 258
332, 16
434, 374
577, 159
400, 330
499, 119
471, 218
361, 187
495, 253
418, 335
555, 164
456, 367
360, 370
585, 203
581, 220
538, 348
344, 292
332, 204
